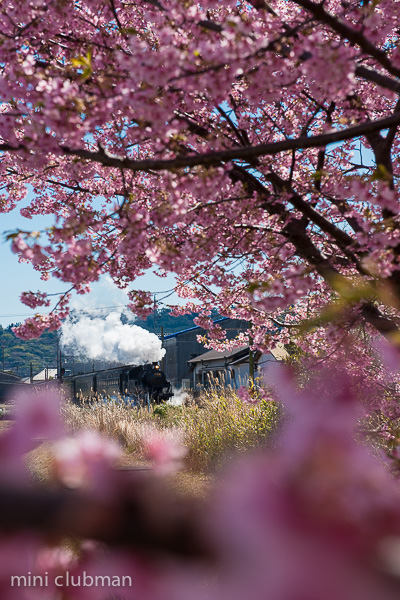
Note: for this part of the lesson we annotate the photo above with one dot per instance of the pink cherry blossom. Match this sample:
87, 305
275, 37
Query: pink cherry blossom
246, 396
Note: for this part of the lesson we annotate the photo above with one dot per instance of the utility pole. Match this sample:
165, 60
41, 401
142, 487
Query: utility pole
251, 362
3, 355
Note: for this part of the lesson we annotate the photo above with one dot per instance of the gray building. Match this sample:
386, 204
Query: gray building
183, 345
232, 367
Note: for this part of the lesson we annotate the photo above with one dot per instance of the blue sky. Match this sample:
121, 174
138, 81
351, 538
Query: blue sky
18, 277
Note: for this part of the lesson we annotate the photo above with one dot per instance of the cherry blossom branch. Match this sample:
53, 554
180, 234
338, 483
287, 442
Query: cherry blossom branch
215, 158
287, 325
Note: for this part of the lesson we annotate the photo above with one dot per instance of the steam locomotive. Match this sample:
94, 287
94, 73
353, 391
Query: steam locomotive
135, 384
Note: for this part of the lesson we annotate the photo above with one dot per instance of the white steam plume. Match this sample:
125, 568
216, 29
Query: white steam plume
110, 340
179, 398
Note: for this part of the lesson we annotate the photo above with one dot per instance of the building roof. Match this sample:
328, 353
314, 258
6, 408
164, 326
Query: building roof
6, 377
279, 352
215, 355
237, 354
243, 358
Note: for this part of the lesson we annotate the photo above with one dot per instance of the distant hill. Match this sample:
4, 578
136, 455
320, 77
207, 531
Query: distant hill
42, 352
19, 354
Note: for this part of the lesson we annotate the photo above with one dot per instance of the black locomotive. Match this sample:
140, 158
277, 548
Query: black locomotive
146, 383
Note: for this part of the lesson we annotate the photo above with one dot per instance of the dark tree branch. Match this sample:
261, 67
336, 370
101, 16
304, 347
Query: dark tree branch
215, 158
232, 125
344, 209
321, 153
343, 240
354, 36
389, 139
295, 232
211, 25
378, 78
114, 11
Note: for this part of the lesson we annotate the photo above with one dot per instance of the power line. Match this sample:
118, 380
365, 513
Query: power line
94, 308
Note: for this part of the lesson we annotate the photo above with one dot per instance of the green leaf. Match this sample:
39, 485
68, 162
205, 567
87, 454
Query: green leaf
381, 174
84, 63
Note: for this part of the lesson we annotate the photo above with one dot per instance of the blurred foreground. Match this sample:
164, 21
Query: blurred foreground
90, 506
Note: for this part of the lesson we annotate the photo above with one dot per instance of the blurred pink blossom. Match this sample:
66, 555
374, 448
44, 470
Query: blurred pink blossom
86, 461
165, 449
37, 418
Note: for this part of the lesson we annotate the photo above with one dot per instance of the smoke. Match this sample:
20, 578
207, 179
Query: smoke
111, 340
179, 398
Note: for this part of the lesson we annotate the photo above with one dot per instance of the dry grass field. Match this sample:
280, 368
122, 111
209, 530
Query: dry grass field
212, 429
215, 427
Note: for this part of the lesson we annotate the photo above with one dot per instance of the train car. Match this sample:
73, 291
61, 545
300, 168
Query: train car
136, 384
